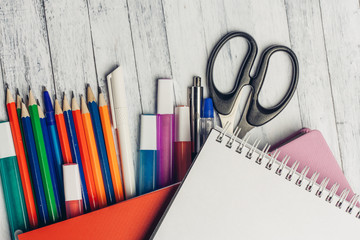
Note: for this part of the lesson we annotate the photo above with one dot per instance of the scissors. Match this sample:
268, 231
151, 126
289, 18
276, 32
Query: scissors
226, 104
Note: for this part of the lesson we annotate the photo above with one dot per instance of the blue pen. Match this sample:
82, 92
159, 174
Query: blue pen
75, 151
55, 142
100, 143
51, 162
34, 167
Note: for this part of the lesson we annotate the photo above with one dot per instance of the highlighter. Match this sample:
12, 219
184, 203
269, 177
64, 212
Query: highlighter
165, 133
182, 145
207, 119
12, 188
119, 113
148, 154
72, 190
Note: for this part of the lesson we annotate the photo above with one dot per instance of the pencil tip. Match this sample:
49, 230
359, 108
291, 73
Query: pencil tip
37, 102
17, 92
44, 89
72, 94
6, 85
29, 88
99, 89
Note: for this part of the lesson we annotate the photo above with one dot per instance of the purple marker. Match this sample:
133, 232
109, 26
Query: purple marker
165, 133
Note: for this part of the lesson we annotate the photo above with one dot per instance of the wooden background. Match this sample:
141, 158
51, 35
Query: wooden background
65, 44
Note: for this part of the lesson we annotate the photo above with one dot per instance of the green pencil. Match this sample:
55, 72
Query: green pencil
43, 161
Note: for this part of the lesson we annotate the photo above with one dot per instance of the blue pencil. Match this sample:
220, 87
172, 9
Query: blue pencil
100, 143
51, 162
34, 167
55, 144
75, 151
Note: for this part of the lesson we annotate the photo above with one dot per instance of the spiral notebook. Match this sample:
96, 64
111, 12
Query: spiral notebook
235, 191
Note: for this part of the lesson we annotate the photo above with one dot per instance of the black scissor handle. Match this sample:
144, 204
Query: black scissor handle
224, 102
257, 115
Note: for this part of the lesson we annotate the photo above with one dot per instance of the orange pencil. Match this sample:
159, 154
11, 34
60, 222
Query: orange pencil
110, 148
84, 153
63, 136
93, 154
21, 158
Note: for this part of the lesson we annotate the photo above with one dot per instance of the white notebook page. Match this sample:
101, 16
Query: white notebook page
228, 196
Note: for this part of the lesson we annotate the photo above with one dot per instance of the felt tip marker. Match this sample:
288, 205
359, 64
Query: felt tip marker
165, 132
182, 145
148, 154
72, 189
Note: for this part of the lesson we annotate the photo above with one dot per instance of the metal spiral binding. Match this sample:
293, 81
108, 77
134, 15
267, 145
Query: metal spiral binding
263, 153
282, 165
272, 159
303, 173
333, 190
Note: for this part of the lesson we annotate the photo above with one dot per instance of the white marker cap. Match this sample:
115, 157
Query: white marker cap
148, 132
182, 124
72, 183
165, 97
7, 148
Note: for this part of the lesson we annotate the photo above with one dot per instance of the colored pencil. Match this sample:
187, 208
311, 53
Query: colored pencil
63, 136
110, 148
21, 159
93, 154
51, 161
84, 153
18, 109
75, 152
100, 143
55, 144
43, 161
34, 167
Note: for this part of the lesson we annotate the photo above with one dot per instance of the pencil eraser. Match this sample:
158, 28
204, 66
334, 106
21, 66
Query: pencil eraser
165, 97
182, 124
7, 148
72, 190
148, 132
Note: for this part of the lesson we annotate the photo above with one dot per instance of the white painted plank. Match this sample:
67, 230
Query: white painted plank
151, 48
24, 57
70, 45
112, 42
314, 91
342, 37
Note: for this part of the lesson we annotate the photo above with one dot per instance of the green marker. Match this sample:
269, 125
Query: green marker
43, 161
12, 188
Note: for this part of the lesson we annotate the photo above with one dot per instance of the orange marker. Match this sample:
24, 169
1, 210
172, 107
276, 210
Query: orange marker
110, 148
63, 136
93, 154
21, 158
84, 153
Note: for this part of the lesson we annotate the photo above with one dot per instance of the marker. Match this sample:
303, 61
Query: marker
148, 154
100, 143
10, 177
207, 120
63, 136
84, 153
43, 160
165, 133
34, 167
72, 189
75, 152
110, 148
93, 154
51, 162
182, 145
54, 143
21, 160
119, 112
195, 111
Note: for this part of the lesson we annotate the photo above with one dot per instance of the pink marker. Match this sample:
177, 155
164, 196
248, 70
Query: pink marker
165, 133
72, 190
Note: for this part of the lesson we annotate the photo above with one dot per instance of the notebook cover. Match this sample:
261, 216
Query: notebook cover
133, 219
310, 149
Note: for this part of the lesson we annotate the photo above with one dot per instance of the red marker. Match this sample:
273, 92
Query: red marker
72, 189
182, 145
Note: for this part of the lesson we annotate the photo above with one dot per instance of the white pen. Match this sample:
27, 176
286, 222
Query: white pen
119, 113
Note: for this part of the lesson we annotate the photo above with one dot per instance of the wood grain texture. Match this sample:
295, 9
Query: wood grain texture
342, 38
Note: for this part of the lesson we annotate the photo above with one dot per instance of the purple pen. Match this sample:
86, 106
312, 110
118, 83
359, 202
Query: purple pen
165, 133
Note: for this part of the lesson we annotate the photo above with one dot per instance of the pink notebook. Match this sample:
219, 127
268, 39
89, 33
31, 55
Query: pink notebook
310, 149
